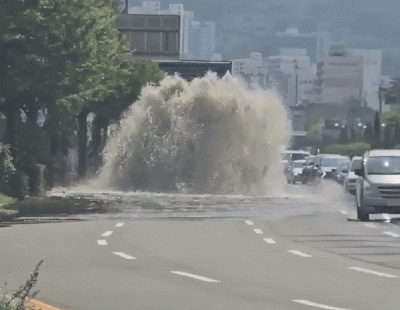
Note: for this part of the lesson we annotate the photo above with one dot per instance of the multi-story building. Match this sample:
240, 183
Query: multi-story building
196, 39
151, 36
351, 75
372, 63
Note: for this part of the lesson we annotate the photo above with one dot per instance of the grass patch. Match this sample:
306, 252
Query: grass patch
5, 200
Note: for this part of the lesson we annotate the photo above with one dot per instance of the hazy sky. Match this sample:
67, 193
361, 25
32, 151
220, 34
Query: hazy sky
243, 25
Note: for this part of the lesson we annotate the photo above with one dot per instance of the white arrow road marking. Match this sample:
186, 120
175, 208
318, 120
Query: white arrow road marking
193, 276
392, 234
295, 252
269, 240
249, 223
321, 306
380, 274
107, 233
126, 256
101, 242
119, 224
258, 231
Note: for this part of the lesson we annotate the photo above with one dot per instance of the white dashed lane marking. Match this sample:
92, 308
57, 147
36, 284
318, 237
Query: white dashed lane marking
295, 252
101, 242
193, 276
119, 224
249, 223
269, 240
369, 225
107, 234
123, 255
392, 234
315, 305
258, 231
343, 212
380, 274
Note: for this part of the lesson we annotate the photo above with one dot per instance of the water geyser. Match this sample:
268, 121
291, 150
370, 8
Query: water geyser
211, 135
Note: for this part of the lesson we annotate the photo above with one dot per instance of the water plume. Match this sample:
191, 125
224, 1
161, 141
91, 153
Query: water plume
211, 135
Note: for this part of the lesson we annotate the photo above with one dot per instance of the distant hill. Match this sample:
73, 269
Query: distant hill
242, 26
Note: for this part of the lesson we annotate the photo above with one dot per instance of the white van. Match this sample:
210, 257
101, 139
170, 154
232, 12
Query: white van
378, 184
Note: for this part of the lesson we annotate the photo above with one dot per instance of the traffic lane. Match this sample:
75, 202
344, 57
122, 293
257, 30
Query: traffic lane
252, 272
69, 251
273, 272
80, 274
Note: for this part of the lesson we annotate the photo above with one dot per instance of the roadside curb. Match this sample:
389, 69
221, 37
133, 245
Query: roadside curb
33, 304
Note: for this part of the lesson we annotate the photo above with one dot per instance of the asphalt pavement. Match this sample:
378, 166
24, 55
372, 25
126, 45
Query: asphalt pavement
299, 251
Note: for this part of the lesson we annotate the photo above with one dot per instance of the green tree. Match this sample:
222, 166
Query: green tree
67, 58
31, 60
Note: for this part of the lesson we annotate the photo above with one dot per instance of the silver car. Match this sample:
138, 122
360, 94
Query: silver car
350, 179
378, 184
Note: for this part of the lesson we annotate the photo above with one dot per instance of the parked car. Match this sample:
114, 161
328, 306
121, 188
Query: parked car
294, 171
378, 185
349, 183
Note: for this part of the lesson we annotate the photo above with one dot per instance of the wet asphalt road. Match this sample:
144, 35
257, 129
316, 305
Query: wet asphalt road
302, 249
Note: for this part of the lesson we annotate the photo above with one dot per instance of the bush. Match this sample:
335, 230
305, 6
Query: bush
6, 168
351, 149
19, 184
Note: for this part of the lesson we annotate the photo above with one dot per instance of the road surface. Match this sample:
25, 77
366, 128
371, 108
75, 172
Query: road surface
296, 251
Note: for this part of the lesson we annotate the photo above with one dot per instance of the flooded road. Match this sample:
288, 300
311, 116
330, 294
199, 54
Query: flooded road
293, 200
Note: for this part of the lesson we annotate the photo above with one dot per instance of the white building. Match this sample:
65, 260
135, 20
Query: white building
291, 73
253, 70
352, 74
300, 73
342, 79
371, 61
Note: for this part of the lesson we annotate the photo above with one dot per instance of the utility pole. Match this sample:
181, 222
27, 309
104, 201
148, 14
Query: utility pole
296, 69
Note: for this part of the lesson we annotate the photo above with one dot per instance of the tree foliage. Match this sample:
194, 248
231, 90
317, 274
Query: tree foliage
67, 58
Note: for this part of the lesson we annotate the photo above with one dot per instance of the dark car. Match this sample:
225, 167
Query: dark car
330, 164
312, 169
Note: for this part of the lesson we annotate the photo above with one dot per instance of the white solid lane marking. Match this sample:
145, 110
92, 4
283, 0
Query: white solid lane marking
107, 233
269, 240
126, 256
343, 212
119, 224
193, 276
392, 234
101, 242
249, 223
258, 231
380, 274
321, 306
295, 252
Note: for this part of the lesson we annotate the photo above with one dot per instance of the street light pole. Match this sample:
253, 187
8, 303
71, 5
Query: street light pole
296, 68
